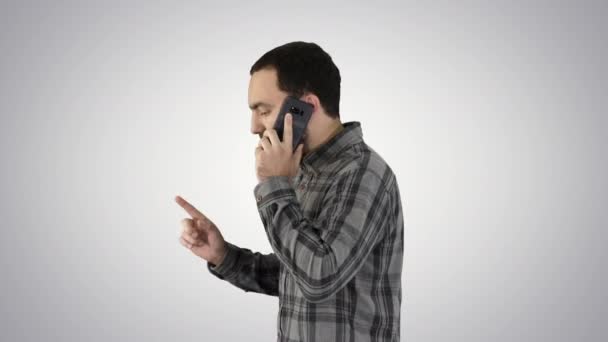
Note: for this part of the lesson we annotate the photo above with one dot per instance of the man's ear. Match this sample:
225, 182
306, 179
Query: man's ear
312, 99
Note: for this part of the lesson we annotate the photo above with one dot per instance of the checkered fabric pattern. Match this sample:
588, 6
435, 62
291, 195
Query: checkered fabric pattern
336, 232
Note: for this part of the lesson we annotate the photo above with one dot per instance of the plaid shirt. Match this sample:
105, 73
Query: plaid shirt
336, 231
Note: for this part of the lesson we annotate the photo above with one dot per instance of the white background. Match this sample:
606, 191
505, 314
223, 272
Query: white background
492, 116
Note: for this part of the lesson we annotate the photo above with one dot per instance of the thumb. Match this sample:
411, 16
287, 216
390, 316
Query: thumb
203, 224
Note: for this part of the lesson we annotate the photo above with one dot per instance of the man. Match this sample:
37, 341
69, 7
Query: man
331, 211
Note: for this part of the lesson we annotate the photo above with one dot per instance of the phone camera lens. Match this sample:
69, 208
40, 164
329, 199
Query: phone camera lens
295, 110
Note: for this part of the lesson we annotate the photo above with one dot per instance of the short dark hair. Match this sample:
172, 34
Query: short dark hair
304, 67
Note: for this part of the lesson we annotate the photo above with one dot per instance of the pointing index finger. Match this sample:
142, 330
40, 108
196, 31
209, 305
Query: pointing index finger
189, 208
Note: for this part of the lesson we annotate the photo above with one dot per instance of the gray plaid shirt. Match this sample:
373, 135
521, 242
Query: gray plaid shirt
336, 231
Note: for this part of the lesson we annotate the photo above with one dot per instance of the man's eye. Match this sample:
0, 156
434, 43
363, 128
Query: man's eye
264, 113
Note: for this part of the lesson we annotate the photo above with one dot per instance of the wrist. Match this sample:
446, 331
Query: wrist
221, 257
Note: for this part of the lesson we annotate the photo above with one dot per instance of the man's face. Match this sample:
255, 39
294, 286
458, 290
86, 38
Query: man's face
265, 100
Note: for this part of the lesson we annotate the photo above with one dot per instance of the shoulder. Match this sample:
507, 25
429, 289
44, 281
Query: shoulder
362, 161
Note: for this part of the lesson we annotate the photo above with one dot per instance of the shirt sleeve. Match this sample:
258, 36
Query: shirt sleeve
323, 255
249, 271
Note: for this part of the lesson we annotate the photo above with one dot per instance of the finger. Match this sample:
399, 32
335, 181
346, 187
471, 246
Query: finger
298, 153
265, 143
189, 239
288, 130
273, 136
184, 242
190, 209
190, 227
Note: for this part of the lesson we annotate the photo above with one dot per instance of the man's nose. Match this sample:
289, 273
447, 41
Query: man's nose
257, 128
258, 131
254, 125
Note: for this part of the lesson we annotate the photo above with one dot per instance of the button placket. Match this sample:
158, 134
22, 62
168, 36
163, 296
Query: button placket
305, 182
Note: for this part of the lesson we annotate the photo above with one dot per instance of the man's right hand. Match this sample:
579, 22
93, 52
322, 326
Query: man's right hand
200, 235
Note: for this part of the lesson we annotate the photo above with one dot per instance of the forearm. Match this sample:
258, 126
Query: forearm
249, 271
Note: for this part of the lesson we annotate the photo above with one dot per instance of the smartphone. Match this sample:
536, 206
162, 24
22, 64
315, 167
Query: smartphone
300, 113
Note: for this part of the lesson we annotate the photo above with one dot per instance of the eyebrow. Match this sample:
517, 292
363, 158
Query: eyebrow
259, 103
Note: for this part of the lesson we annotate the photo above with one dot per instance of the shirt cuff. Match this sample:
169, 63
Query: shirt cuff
228, 269
273, 188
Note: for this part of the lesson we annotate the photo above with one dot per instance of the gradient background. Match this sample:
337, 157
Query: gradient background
493, 117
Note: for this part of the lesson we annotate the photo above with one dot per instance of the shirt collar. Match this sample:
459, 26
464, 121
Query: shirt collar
350, 134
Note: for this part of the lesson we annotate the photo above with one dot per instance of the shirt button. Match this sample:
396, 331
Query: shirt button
259, 198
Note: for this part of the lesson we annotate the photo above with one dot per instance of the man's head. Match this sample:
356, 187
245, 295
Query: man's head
302, 70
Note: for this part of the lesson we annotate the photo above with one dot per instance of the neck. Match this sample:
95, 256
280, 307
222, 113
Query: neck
331, 132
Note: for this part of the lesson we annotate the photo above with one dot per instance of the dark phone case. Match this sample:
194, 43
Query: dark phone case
300, 111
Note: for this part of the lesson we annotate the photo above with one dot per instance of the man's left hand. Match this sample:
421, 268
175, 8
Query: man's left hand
274, 157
